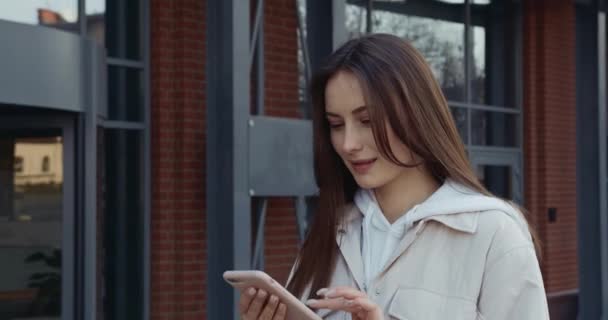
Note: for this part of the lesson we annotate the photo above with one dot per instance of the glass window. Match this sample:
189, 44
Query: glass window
436, 30
493, 65
125, 89
115, 24
356, 19
450, 39
462, 122
18, 164
123, 235
31, 212
493, 128
497, 179
59, 14
46, 164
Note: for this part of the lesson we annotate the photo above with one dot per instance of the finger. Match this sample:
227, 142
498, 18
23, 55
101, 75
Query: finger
256, 305
270, 308
334, 304
365, 304
281, 312
245, 300
344, 292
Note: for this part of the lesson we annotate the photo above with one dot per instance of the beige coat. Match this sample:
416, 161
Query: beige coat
463, 265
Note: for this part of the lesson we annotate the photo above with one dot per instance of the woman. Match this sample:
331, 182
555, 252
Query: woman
404, 229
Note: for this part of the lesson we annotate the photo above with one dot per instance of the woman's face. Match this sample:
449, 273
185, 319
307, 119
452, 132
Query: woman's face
352, 137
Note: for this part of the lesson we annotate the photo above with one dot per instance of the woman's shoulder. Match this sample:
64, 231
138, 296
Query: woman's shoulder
506, 231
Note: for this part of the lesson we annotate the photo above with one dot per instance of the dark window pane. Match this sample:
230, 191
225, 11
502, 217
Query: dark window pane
46, 164
31, 215
436, 30
59, 14
115, 24
493, 128
123, 225
497, 179
462, 122
493, 53
125, 94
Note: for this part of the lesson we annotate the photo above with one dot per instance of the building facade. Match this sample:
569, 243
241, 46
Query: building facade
146, 146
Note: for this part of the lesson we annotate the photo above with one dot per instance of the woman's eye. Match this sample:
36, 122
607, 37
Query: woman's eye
335, 125
365, 121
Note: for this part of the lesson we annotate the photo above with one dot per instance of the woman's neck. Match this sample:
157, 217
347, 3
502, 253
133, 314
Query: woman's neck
404, 192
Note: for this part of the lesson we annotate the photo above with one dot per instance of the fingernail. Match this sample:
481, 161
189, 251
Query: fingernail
261, 293
348, 303
251, 291
274, 299
322, 292
330, 293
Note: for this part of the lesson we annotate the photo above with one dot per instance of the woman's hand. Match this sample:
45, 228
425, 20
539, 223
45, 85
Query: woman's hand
256, 305
349, 300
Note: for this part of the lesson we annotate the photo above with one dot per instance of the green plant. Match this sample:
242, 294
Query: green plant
48, 297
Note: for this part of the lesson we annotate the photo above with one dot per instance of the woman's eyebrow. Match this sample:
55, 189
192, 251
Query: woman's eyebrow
360, 109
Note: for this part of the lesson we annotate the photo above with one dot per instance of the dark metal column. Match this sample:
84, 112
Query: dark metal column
587, 161
326, 28
228, 201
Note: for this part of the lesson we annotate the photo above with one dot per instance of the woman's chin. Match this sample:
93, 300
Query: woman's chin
366, 182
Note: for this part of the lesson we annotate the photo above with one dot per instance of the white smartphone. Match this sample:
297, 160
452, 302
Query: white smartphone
296, 310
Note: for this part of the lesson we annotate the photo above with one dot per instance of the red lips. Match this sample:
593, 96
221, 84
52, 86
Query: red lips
362, 166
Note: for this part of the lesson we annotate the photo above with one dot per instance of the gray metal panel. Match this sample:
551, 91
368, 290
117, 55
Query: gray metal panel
147, 158
95, 100
587, 163
40, 67
69, 151
280, 157
497, 157
228, 201
601, 38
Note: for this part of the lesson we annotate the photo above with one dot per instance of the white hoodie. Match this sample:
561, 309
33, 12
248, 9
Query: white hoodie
380, 238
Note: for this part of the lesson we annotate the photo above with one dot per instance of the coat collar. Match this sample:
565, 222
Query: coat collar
464, 221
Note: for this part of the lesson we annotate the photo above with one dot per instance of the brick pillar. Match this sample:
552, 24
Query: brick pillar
178, 246
550, 135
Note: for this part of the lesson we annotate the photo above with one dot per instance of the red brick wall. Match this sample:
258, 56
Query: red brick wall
179, 266
281, 100
550, 135
178, 151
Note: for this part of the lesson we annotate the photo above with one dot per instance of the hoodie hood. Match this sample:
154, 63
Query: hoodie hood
450, 199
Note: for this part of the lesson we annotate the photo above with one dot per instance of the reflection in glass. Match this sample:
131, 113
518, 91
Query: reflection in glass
497, 179
462, 122
356, 20
493, 128
95, 19
493, 65
30, 224
59, 14
478, 80
437, 32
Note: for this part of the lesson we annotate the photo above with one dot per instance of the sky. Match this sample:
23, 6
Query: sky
26, 10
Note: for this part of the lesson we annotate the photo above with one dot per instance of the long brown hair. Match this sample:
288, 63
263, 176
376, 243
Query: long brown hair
398, 87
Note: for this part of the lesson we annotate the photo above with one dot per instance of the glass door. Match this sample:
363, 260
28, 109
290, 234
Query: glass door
36, 218
500, 172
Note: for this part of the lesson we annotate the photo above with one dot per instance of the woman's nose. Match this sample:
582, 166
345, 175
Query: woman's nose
352, 141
